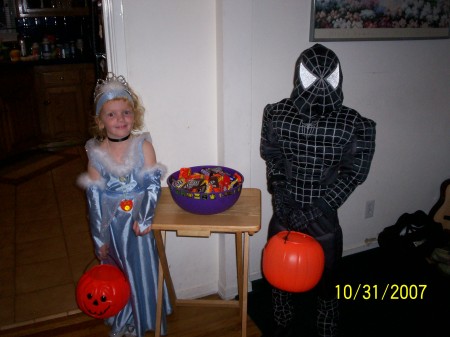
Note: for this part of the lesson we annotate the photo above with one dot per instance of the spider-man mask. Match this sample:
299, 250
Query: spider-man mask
317, 83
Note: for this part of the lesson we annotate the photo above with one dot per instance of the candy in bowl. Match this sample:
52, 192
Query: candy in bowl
206, 189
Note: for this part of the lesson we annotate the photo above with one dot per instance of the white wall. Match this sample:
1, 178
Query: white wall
206, 69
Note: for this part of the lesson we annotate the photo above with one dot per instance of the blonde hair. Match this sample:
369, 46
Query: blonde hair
115, 88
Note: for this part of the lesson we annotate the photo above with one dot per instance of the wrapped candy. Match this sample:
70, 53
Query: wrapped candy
185, 172
208, 180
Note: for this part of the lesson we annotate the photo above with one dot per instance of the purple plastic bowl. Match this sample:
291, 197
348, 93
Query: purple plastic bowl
205, 203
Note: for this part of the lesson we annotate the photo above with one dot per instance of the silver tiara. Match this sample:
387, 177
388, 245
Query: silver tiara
111, 82
111, 87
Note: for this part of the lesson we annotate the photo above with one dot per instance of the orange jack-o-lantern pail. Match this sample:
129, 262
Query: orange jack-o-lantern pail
102, 291
293, 261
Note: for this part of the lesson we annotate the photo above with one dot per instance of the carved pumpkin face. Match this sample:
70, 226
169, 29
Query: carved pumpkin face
102, 291
293, 261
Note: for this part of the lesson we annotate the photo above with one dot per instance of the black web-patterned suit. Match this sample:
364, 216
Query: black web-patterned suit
317, 151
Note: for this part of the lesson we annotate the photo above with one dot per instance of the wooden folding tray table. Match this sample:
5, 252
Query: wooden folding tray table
242, 219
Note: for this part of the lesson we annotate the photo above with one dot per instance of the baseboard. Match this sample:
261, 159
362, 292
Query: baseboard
360, 248
197, 292
255, 276
226, 293
231, 292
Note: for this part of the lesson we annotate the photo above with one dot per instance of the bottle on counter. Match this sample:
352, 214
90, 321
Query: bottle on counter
65, 52
72, 49
23, 47
35, 51
45, 48
79, 47
52, 44
58, 51
14, 54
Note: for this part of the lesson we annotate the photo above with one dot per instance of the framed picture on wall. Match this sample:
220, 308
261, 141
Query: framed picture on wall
346, 20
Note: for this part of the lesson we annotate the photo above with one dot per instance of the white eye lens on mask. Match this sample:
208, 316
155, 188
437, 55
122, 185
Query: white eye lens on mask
333, 79
306, 77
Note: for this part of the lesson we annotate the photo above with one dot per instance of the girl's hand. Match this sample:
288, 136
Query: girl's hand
103, 252
138, 232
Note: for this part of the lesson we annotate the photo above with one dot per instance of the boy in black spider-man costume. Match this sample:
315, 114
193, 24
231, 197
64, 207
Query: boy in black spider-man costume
317, 151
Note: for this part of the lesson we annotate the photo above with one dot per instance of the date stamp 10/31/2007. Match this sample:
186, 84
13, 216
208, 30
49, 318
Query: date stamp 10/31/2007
394, 292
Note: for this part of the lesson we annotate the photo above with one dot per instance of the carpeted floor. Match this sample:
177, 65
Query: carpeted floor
413, 311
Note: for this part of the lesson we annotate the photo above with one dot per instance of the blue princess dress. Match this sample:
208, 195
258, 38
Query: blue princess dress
110, 224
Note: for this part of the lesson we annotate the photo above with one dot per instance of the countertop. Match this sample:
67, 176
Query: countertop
26, 64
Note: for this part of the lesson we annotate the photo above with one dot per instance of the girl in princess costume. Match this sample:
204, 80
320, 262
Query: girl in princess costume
123, 185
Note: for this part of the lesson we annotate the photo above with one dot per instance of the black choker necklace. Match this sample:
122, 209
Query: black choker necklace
120, 139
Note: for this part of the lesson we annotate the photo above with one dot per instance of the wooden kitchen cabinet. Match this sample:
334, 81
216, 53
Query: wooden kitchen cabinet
19, 125
64, 95
31, 8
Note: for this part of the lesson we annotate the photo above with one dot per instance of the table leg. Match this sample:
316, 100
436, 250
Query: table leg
245, 285
160, 300
239, 264
165, 266
163, 273
242, 252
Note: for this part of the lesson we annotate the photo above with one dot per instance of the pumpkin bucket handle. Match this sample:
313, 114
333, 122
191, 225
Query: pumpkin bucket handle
287, 235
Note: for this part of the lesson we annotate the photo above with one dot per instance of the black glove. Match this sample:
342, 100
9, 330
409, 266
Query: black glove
279, 205
289, 211
299, 218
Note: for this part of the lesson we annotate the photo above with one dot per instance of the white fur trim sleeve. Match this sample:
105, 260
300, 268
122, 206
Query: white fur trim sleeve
155, 168
84, 181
